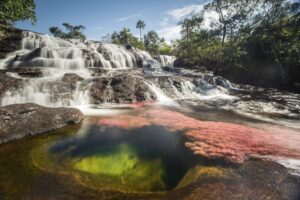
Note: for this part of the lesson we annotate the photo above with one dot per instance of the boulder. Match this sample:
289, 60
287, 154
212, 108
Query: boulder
72, 78
23, 120
10, 40
183, 63
8, 82
120, 89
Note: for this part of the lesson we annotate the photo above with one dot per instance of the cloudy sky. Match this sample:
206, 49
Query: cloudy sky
101, 17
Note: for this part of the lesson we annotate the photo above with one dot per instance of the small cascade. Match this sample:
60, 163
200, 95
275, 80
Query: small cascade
160, 95
166, 61
48, 92
117, 57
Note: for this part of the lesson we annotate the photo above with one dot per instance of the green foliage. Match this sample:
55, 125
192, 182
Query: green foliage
125, 37
165, 49
152, 42
73, 32
16, 10
246, 33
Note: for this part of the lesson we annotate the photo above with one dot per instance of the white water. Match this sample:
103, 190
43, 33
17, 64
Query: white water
166, 60
56, 57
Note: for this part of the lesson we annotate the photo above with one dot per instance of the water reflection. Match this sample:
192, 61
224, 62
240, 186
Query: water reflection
149, 158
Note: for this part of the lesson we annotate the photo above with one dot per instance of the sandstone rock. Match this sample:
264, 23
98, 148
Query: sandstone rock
10, 40
257, 180
23, 120
72, 78
120, 89
8, 82
30, 72
183, 63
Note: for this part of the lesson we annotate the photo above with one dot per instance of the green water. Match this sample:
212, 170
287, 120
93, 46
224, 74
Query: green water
109, 161
149, 159
121, 163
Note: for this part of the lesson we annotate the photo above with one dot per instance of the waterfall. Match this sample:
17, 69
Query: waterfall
166, 61
160, 95
55, 57
48, 92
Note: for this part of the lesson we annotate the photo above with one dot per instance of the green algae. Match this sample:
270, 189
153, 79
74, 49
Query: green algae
122, 165
199, 172
18, 172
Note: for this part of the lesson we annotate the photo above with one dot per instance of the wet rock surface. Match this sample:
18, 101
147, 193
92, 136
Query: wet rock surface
8, 82
183, 63
254, 180
23, 120
10, 40
28, 72
120, 89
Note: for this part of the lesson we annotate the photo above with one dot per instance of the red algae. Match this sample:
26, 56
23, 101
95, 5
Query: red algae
125, 121
215, 140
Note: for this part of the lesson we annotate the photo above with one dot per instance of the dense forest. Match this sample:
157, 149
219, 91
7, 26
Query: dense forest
249, 41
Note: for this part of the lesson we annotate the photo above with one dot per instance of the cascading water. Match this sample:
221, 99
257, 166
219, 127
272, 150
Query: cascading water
166, 61
55, 57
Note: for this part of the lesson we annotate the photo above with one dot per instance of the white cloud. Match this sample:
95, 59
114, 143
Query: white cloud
170, 32
164, 22
169, 28
127, 18
184, 12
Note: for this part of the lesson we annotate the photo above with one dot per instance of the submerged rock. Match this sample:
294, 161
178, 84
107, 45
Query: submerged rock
22, 120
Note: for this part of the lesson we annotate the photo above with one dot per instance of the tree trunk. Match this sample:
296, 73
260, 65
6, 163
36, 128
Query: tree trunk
224, 24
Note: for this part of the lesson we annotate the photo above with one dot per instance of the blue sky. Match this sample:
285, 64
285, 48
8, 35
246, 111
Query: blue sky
101, 17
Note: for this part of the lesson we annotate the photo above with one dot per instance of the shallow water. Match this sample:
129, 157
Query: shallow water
146, 152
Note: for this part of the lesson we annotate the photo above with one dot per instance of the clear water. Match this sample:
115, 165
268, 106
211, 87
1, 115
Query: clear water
136, 155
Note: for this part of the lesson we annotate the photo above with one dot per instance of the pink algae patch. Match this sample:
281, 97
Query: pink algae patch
125, 121
231, 142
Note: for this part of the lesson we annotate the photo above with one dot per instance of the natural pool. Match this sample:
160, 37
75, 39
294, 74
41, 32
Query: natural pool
147, 152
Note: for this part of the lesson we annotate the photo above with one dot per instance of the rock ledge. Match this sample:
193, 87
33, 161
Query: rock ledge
22, 120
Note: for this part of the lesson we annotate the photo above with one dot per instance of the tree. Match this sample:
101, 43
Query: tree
73, 32
140, 25
233, 15
16, 10
152, 42
125, 36
250, 36
165, 49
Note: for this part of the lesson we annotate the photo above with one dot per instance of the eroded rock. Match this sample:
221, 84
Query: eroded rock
22, 120
120, 89
8, 82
